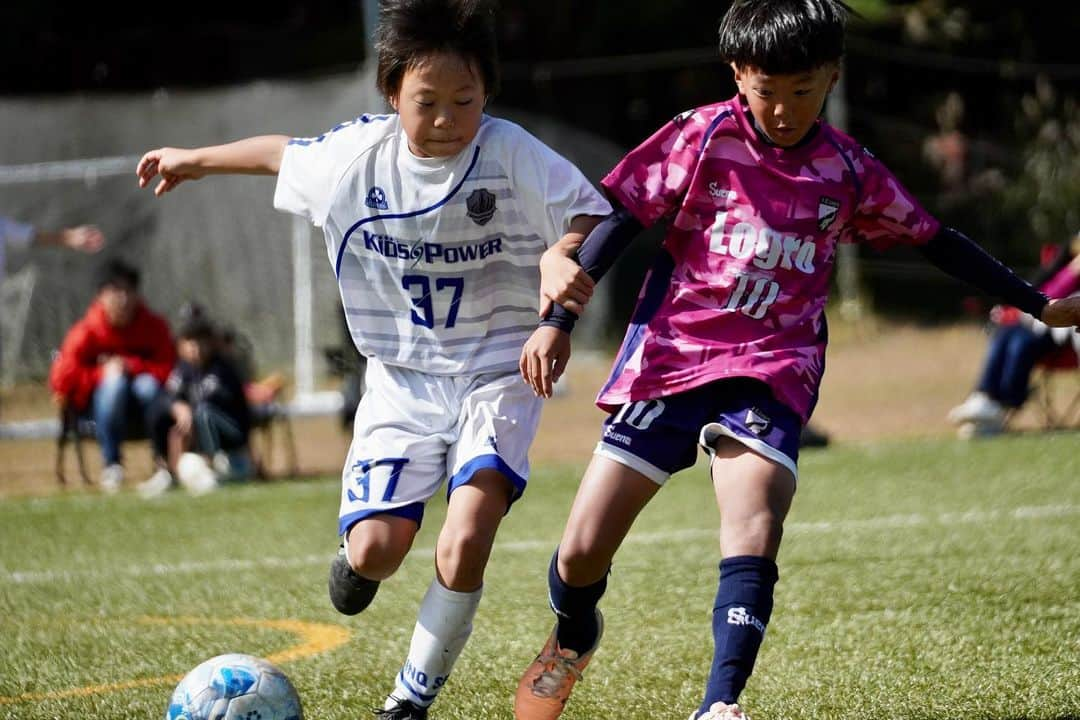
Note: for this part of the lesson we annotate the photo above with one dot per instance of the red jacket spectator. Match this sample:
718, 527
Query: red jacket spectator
146, 346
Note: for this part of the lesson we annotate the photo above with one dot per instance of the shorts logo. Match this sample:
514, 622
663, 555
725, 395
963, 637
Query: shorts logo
757, 422
827, 210
376, 199
481, 206
616, 437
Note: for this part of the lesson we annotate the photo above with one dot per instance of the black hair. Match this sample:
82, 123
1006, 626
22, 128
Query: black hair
196, 328
117, 273
783, 37
410, 30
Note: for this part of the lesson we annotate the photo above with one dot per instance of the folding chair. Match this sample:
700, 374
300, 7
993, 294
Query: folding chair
74, 429
267, 412
1055, 370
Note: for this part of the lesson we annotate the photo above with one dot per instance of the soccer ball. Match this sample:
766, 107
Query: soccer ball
195, 474
235, 687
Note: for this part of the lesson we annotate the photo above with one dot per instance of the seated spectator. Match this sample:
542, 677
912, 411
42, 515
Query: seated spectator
1018, 343
202, 417
112, 364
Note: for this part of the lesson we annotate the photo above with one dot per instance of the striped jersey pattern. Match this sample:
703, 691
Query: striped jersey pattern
436, 259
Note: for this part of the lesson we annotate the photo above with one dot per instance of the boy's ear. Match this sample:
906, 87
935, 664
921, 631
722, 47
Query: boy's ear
835, 77
393, 100
738, 77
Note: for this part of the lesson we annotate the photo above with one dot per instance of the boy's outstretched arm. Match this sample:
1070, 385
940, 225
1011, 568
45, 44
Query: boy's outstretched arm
562, 279
259, 155
545, 355
547, 351
596, 255
957, 255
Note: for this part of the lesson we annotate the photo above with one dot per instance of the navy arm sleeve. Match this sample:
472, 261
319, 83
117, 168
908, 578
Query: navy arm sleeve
956, 254
596, 256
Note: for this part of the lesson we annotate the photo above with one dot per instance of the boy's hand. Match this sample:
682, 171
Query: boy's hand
1064, 312
183, 416
84, 238
544, 358
563, 281
112, 367
174, 165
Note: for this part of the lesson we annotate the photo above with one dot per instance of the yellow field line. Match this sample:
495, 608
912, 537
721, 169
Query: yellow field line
315, 638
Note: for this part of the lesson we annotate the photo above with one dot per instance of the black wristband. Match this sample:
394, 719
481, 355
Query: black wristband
559, 317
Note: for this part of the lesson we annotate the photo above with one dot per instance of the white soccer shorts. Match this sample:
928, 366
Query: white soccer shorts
413, 430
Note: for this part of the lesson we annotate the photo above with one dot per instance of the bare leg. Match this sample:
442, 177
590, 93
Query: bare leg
378, 544
754, 495
609, 499
475, 511
446, 614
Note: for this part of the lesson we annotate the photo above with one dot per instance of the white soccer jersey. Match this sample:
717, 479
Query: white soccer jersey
436, 258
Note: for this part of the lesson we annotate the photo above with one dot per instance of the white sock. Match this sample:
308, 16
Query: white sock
442, 628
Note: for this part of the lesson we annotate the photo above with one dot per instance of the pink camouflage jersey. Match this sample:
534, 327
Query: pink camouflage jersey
740, 288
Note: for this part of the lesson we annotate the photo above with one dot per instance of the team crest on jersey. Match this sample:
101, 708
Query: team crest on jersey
827, 210
376, 199
681, 118
757, 422
481, 206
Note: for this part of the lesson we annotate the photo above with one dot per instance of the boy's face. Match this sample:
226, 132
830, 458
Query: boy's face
786, 107
193, 351
120, 301
440, 102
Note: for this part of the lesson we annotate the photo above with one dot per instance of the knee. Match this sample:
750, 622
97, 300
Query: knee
145, 387
758, 533
580, 562
374, 557
201, 416
461, 557
111, 392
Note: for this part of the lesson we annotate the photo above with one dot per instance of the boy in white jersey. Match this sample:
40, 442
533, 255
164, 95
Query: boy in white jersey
435, 220
726, 347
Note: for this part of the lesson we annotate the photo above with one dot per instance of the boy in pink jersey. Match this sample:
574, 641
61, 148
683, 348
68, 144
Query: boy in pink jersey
726, 346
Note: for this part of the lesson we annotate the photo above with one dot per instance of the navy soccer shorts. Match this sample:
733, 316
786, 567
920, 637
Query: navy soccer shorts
660, 437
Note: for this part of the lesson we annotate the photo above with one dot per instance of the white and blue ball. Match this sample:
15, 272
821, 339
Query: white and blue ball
235, 687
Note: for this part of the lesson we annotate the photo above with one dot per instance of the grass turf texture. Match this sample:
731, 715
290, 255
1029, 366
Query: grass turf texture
928, 579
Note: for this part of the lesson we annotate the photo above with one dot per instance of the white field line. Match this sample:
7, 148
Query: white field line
884, 522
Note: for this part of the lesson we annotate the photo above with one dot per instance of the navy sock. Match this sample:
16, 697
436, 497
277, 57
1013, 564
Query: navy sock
743, 605
575, 608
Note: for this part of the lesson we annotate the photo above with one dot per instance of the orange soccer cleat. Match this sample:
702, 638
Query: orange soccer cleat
546, 685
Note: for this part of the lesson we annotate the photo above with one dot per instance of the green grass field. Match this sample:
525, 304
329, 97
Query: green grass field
929, 579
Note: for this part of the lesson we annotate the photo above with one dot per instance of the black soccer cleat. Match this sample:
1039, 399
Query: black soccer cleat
404, 710
349, 593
